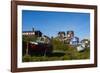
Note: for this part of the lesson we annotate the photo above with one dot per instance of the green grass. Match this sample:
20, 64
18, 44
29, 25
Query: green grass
70, 54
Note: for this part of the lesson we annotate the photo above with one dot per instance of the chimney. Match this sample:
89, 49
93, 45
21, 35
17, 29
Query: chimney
33, 29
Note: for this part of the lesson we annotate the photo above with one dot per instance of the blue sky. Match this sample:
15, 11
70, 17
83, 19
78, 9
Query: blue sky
50, 23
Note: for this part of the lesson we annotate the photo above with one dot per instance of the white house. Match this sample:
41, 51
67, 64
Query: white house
81, 47
28, 33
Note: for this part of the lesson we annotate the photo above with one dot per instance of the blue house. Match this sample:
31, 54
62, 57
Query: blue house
74, 41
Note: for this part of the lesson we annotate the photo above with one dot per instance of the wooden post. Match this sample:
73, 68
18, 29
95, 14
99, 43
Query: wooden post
27, 49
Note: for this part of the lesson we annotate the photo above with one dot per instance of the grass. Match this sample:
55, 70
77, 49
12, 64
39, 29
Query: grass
70, 54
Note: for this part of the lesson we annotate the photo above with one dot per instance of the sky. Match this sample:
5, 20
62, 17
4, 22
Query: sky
50, 23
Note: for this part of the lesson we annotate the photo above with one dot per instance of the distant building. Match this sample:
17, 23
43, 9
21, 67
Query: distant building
80, 47
32, 33
61, 34
86, 42
38, 33
68, 38
70, 34
74, 41
28, 33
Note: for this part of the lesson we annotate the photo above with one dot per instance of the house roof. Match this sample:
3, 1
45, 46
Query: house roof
75, 39
61, 32
32, 31
38, 31
70, 32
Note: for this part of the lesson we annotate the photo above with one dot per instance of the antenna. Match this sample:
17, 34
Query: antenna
33, 28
